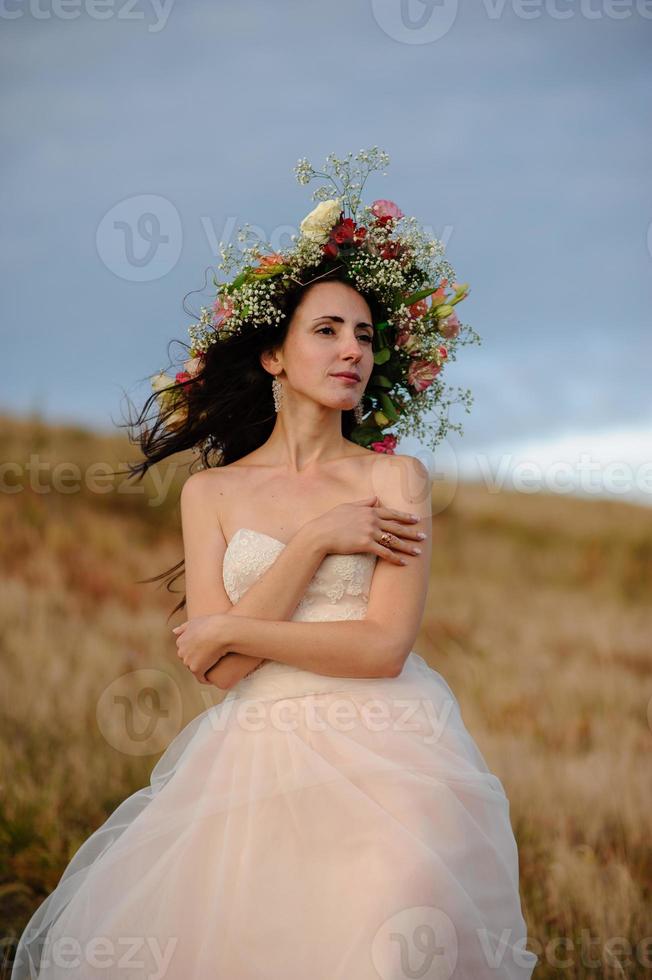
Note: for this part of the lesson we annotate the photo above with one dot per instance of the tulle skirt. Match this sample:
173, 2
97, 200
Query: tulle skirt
305, 828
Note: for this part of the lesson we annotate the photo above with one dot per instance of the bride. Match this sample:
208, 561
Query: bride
331, 817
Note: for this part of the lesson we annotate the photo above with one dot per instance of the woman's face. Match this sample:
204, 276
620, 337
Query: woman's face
330, 332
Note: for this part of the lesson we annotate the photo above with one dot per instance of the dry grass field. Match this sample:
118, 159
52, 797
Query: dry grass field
539, 617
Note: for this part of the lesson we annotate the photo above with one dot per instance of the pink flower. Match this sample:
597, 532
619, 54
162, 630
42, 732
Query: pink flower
222, 310
439, 295
407, 340
450, 327
274, 259
421, 374
386, 211
443, 353
181, 377
387, 445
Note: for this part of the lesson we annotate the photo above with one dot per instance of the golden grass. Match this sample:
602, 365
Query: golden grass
538, 617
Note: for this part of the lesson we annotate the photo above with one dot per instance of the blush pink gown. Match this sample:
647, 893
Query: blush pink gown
305, 828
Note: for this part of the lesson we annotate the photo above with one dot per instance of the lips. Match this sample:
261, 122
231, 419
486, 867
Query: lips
347, 374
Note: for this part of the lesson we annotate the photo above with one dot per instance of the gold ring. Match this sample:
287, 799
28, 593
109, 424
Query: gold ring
385, 538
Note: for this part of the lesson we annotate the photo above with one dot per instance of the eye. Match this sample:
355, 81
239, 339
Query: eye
363, 336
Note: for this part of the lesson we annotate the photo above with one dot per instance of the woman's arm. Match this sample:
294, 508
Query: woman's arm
343, 648
274, 595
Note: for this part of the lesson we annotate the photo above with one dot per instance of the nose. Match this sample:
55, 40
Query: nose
352, 347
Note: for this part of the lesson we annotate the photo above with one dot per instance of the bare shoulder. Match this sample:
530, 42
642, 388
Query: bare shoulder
205, 487
402, 481
402, 463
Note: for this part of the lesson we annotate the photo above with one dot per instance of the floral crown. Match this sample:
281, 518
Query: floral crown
384, 253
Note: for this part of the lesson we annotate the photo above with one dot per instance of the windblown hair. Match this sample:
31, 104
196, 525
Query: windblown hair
230, 401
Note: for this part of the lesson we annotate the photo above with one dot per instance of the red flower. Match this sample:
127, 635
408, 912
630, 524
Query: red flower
387, 445
345, 233
418, 309
181, 377
392, 250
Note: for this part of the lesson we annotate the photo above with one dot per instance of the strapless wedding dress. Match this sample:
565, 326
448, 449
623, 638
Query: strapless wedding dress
305, 828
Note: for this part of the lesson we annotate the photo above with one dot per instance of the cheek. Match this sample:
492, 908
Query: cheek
311, 357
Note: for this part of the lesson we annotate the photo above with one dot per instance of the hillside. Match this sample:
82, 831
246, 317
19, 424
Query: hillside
538, 617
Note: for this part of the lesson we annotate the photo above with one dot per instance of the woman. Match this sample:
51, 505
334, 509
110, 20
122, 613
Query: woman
331, 817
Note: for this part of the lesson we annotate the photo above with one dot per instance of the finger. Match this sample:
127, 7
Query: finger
389, 555
390, 513
389, 549
403, 536
397, 544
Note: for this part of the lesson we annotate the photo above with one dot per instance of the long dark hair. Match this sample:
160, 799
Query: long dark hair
230, 403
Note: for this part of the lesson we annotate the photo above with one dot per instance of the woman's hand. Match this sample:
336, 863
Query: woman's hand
356, 527
203, 641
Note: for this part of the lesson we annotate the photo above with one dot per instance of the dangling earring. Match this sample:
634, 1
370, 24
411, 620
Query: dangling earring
277, 392
358, 412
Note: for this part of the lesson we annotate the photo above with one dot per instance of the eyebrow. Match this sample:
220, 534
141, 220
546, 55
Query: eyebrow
339, 319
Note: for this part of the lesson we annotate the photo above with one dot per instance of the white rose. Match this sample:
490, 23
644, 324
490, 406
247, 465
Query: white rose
317, 225
161, 381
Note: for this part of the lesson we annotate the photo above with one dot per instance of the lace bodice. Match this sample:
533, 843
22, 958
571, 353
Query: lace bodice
339, 589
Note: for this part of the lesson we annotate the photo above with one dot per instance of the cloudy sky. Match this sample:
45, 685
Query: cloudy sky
519, 132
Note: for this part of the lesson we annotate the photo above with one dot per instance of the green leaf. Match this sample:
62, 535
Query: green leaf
388, 407
239, 280
421, 294
382, 355
381, 381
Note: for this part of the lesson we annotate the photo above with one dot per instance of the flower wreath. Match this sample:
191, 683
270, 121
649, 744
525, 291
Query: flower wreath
383, 252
